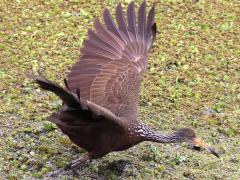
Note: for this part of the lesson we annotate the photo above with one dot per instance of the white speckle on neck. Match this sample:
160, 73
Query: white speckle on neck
139, 130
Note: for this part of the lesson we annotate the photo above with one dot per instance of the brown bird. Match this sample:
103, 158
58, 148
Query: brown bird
99, 111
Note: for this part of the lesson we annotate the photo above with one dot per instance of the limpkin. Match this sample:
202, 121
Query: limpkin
99, 110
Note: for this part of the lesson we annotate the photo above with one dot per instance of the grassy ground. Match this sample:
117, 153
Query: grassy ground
192, 81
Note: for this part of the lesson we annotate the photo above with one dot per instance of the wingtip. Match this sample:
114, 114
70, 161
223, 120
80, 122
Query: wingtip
143, 4
97, 23
131, 5
118, 9
119, 5
105, 12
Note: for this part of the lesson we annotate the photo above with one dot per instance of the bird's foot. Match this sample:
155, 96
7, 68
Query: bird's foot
80, 161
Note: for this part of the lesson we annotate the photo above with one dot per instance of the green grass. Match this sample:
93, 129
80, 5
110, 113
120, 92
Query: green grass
193, 80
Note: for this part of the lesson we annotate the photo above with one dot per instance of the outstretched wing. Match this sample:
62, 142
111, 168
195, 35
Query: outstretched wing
113, 60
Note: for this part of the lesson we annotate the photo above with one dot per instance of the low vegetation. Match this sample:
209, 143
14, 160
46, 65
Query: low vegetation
193, 80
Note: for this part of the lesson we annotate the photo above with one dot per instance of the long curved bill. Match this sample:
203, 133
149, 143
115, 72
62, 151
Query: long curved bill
199, 142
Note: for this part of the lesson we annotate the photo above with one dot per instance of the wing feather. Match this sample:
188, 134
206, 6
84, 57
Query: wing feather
113, 60
142, 20
107, 36
132, 20
121, 21
111, 26
150, 22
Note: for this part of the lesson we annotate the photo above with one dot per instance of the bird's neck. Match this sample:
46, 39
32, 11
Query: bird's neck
148, 134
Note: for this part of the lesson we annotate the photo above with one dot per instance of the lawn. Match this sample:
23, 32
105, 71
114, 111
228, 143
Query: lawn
193, 80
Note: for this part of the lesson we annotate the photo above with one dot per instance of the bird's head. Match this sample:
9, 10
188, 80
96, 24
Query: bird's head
188, 135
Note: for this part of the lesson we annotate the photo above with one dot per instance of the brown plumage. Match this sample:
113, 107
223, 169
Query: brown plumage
99, 112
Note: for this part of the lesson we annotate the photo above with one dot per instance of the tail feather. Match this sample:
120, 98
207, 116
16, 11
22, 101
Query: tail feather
66, 96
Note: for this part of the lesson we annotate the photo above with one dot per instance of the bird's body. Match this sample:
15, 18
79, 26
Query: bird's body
105, 139
99, 138
99, 112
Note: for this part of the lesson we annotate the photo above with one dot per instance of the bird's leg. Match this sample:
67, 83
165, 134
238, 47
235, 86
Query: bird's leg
76, 163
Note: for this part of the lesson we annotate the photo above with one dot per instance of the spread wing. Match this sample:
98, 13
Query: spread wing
113, 60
